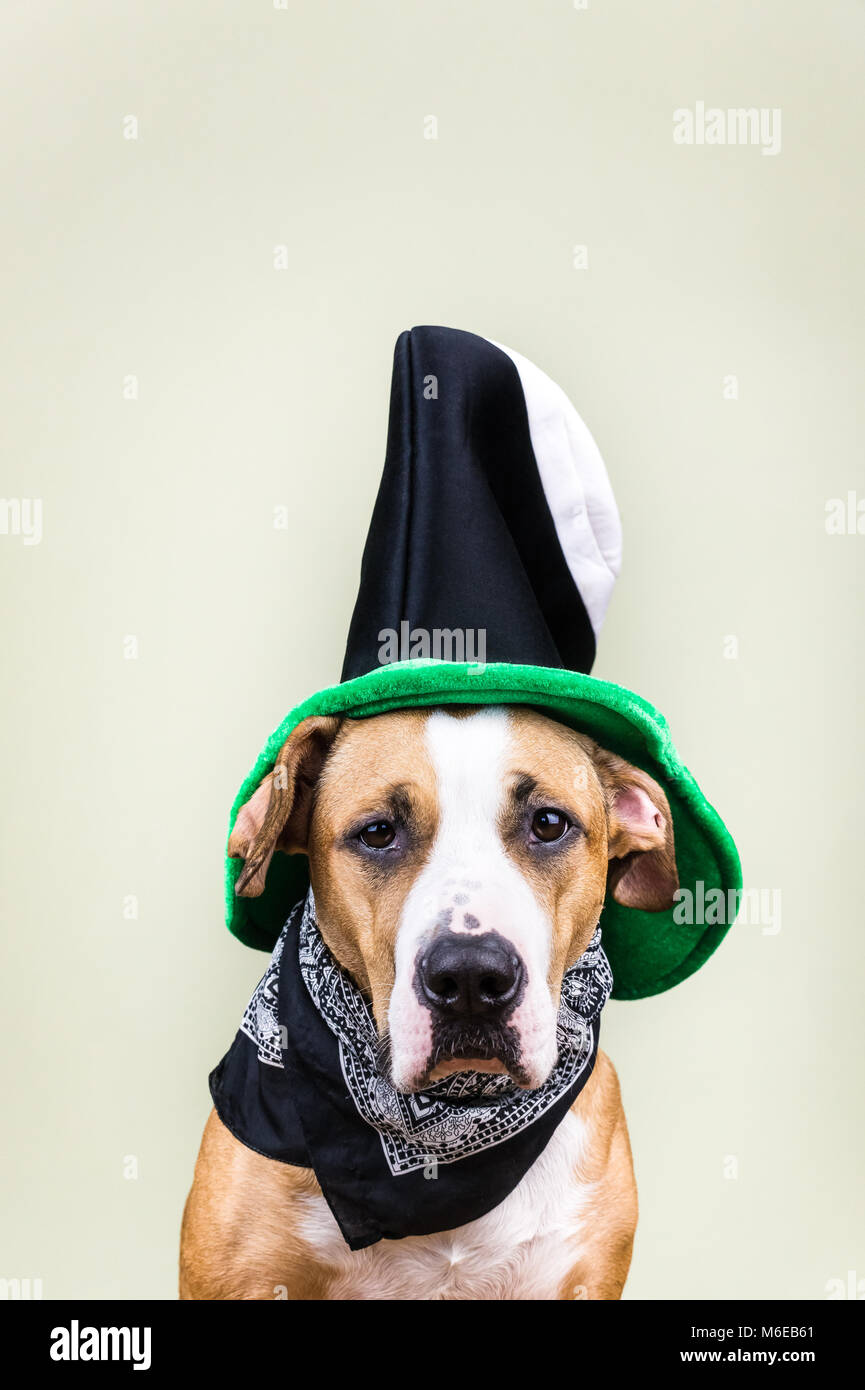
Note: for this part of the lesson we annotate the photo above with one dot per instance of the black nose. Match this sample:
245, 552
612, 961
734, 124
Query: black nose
470, 977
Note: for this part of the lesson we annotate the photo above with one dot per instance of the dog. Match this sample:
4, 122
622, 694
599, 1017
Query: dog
459, 859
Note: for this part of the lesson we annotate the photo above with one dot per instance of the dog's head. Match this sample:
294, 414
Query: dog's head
459, 860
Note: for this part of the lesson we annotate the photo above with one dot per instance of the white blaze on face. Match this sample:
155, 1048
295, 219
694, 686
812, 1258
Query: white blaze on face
470, 884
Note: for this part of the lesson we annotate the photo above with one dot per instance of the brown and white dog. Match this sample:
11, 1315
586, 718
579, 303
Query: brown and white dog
459, 860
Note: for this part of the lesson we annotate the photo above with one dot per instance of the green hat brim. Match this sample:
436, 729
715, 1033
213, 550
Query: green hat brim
648, 951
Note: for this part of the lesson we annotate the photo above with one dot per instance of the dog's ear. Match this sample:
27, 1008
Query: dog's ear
642, 870
276, 817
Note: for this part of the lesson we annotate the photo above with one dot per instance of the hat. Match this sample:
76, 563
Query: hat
489, 564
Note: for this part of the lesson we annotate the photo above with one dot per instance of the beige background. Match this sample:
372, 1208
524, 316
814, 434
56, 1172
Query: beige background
258, 387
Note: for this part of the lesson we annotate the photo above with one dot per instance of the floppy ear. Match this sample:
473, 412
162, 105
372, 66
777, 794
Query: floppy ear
276, 817
642, 870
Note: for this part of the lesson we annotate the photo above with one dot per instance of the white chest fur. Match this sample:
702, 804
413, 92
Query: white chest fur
523, 1249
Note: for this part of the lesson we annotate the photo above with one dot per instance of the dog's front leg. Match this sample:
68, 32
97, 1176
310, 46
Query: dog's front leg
239, 1239
606, 1239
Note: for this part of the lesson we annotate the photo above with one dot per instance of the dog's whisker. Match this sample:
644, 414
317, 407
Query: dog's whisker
383, 1053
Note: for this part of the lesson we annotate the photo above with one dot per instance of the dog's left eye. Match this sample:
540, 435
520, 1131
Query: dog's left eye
378, 834
548, 824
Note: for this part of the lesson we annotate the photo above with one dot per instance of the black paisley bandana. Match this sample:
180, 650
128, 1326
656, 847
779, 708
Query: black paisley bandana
305, 1083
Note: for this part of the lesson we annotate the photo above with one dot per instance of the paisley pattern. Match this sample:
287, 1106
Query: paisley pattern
457, 1116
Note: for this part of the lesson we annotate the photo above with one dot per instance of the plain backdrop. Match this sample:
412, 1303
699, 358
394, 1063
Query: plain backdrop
167, 387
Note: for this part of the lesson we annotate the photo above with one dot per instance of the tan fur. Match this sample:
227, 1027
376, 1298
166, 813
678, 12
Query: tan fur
605, 1257
247, 1223
358, 912
572, 772
560, 763
277, 815
238, 1239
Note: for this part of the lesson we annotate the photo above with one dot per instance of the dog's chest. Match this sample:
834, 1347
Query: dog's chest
523, 1249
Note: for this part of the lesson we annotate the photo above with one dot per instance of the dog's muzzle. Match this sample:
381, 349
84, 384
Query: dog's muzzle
471, 987
468, 980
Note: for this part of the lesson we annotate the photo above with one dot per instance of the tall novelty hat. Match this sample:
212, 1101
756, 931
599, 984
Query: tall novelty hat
489, 564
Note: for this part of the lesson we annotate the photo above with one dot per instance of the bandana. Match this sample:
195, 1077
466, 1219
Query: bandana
305, 1082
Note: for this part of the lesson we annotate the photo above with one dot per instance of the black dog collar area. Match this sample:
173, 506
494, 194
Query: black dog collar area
302, 1083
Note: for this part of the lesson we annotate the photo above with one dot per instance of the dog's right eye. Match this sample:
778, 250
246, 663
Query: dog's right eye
377, 835
549, 825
